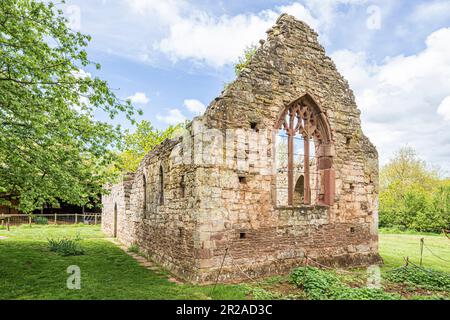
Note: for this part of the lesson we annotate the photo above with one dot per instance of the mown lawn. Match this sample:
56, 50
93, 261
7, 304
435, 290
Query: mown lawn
395, 247
28, 270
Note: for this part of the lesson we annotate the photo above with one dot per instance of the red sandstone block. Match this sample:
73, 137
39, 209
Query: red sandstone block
329, 177
217, 236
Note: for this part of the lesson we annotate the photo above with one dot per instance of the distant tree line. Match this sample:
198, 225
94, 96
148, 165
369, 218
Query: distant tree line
412, 195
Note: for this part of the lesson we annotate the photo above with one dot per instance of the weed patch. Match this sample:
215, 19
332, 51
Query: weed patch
134, 248
421, 278
323, 285
66, 246
40, 220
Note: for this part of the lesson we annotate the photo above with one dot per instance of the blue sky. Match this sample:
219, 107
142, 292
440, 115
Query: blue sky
174, 57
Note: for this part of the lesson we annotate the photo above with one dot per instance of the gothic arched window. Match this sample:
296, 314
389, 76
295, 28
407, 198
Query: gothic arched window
304, 155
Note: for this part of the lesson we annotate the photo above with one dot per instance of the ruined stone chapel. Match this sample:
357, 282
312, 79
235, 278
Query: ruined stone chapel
275, 174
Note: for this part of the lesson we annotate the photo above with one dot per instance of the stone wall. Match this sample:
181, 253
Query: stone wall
164, 227
116, 210
220, 199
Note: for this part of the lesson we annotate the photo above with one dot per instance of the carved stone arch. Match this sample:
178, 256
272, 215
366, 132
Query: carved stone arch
305, 117
308, 101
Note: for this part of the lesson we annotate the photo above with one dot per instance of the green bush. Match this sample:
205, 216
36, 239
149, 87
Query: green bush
324, 285
318, 284
66, 246
40, 220
419, 277
245, 59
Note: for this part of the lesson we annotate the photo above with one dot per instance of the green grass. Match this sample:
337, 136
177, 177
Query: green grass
395, 247
407, 231
28, 270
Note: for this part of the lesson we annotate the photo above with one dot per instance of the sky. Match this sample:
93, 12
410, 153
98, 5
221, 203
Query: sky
173, 57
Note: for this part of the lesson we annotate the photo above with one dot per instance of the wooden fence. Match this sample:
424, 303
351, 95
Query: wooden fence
7, 220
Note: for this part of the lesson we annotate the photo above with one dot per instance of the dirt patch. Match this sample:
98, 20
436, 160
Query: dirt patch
408, 291
285, 288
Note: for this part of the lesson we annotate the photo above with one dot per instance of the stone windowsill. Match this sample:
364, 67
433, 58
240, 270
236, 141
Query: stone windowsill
304, 207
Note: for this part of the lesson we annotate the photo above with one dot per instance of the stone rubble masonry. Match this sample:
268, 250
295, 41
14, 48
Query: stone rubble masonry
207, 210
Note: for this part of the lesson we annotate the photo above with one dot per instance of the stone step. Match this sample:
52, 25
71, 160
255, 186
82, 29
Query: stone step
174, 280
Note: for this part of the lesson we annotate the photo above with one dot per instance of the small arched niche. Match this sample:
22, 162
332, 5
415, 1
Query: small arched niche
299, 191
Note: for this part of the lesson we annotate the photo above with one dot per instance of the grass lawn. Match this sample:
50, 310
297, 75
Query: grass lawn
395, 247
28, 270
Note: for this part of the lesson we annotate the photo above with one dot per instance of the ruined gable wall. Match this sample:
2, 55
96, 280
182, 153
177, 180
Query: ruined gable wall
289, 65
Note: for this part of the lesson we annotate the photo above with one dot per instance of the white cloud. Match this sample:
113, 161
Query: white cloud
444, 108
194, 106
173, 117
139, 98
185, 30
403, 100
355, 67
299, 11
218, 41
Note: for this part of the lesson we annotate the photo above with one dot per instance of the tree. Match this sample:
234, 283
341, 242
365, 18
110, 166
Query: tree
51, 147
407, 168
413, 196
137, 144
